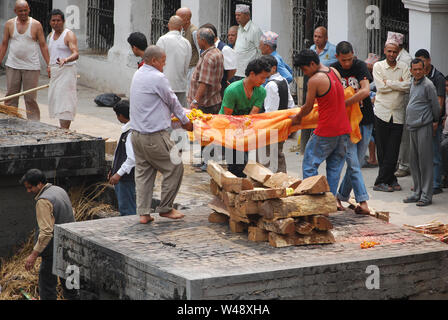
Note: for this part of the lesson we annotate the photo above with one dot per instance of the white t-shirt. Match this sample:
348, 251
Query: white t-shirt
229, 54
272, 100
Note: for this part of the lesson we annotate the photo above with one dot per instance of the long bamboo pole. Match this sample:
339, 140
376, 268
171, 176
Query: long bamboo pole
24, 93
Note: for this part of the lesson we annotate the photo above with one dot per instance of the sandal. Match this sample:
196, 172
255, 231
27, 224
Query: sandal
359, 210
396, 186
383, 188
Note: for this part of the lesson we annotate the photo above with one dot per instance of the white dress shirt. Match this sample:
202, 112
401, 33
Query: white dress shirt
272, 101
390, 97
153, 102
229, 54
247, 46
127, 166
178, 56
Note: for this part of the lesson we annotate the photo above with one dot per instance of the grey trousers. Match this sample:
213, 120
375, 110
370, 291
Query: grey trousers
421, 163
403, 157
152, 154
280, 166
305, 136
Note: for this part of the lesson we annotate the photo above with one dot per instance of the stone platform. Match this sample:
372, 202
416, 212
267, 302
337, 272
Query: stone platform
193, 259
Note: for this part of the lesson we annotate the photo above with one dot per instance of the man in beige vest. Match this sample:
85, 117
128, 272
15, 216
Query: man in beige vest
24, 36
190, 34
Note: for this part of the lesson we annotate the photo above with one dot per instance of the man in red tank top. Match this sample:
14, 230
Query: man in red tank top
329, 141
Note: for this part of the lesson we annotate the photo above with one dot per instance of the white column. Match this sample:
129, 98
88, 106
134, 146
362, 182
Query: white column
276, 16
428, 24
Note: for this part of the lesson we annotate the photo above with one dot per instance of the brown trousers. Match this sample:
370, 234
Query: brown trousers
152, 154
29, 79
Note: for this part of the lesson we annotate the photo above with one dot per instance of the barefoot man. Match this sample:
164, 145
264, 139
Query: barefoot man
329, 140
152, 103
24, 36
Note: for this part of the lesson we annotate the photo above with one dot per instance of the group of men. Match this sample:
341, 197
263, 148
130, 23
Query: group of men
24, 37
191, 68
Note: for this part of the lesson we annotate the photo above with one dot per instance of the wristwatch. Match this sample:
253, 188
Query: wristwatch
195, 102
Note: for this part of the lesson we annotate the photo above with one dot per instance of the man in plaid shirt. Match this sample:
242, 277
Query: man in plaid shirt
205, 86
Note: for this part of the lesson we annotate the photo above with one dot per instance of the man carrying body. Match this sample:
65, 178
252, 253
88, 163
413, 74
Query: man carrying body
330, 138
63, 47
438, 80
138, 43
422, 112
244, 97
189, 34
53, 206
152, 103
24, 36
354, 73
178, 56
392, 80
248, 41
268, 46
327, 56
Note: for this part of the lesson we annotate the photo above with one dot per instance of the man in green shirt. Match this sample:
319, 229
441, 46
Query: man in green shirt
244, 97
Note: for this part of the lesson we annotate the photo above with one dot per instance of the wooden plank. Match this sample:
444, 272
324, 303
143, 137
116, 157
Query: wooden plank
237, 227
316, 237
257, 235
259, 194
228, 198
282, 226
321, 223
282, 180
298, 206
304, 227
216, 217
257, 172
313, 185
226, 180
218, 206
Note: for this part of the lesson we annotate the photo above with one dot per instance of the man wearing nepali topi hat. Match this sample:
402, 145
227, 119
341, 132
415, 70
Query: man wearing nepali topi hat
268, 46
247, 43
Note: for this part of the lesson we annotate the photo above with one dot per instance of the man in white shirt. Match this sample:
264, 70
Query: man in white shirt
178, 56
393, 81
278, 97
248, 41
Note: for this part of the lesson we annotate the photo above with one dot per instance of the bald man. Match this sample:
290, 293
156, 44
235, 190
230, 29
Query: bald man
190, 31
24, 36
325, 50
178, 57
232, 35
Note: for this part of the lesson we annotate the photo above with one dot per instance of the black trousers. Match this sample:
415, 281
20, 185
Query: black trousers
48, 282
237, 163
388, 140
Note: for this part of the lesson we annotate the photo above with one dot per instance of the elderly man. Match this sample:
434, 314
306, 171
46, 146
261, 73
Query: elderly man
53, 207
325, 50
438, 80
268, 46
232, 35
63, 47
229, 54
247, 43
178, 56
138, 43
190, 34
24, 36
152, 103
393, 81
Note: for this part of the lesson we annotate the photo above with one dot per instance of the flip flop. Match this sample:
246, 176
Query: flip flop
359, 210
147, 221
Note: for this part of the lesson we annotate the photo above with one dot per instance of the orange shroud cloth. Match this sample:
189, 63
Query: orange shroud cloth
250, 132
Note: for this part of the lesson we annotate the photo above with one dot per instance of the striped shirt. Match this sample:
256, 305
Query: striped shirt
209, 70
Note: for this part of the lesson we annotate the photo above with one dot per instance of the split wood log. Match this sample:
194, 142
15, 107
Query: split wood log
316, 237
237, 227
298, 206
304, 228
313, 185
320, 222
214, 188
228, 198
259, 194
255, 183
226, 180
236, 215
282, 226
282, 180
246, 206
217, 205
216, 217
257, 172
257, 235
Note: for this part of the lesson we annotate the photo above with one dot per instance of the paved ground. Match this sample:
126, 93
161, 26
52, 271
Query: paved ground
101, 122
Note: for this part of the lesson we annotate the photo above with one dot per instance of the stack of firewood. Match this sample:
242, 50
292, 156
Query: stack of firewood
272, 207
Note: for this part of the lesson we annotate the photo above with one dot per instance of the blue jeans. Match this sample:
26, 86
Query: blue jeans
125, 191
363, 145
333, 151
437, 159
353, 178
